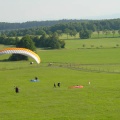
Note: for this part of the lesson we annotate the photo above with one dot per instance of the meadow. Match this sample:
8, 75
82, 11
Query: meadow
97, 62
94, 35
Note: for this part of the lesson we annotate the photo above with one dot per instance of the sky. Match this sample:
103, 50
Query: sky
42, 10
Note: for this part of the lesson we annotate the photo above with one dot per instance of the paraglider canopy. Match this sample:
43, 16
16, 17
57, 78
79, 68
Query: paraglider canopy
22, 51
77, 86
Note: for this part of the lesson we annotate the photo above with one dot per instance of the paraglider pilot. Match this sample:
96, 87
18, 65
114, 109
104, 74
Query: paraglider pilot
16, 89
54, 85
58, 84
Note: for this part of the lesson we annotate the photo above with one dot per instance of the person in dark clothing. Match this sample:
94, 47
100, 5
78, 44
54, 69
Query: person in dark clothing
54, 85
16, 89
58, 84
36, 78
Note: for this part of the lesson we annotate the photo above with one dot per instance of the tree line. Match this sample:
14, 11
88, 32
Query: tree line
71, 27
50, 35
31, 24
45, 41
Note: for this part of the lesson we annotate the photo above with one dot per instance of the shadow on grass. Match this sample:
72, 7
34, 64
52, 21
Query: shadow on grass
5, 60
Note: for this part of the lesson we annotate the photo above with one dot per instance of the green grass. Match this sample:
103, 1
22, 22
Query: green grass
94, 35
40, 100
109, 35
93, 43
73, 65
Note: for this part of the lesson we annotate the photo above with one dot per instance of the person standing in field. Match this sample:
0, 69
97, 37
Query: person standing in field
54, 85
16, 89
58, 84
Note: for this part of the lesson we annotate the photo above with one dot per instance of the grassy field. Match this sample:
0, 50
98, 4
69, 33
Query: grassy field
74, 65
94, 35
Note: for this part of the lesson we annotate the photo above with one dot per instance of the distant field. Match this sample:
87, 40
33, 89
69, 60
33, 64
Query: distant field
94, 35
94, 43
98, 62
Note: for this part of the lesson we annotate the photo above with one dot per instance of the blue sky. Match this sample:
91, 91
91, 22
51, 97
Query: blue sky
39, 10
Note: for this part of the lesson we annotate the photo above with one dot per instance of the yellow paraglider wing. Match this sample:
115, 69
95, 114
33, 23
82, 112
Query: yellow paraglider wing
22, 51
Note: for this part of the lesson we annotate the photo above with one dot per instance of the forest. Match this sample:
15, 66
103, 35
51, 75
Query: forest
61, 26
46, 34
